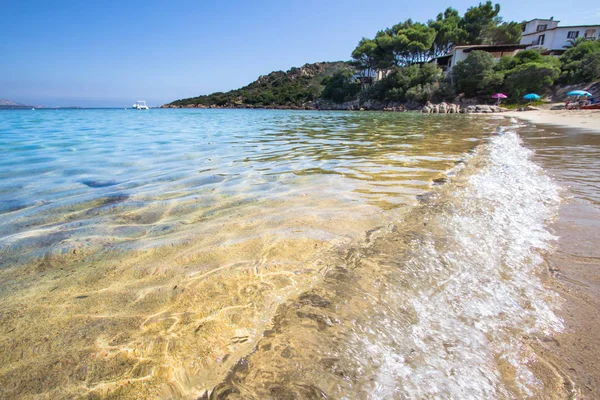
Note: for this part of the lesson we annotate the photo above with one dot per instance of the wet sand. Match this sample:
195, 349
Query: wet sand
573, 268
574, 272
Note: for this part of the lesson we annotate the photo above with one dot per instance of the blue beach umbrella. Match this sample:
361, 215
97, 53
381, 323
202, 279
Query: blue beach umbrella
579, 93
531, 96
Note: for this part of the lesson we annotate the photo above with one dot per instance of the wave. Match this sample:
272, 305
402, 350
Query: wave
436, 305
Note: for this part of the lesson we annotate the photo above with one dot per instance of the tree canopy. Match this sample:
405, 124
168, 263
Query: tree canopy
365, 56
448, 31
405, 43
410, 42
506, 33
478, 22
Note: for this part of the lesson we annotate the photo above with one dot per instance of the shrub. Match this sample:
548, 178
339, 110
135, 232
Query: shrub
475, 76
530, 78
423, 93
579, 63
340, 87
528, 56
395, 86
590, 67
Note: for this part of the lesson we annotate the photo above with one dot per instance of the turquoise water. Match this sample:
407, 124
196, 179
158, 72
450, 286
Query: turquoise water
257, 253
69, 162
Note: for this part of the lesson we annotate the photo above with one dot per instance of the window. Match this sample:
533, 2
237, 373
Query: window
542, 27
524, 27
590, 33
572, 34
541, 40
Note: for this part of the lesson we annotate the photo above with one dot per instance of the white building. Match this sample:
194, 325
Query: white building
460, 53
546, 34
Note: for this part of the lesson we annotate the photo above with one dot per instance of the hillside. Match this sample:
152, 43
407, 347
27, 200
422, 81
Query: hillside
296, 88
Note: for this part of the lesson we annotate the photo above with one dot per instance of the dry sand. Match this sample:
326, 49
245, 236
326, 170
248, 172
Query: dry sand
573, 357
579, 119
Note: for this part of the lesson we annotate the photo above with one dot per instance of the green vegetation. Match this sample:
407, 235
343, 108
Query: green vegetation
402, 57
341, 86
480, 76
529, 72
297, 87
409, 83
475, 76
581, 63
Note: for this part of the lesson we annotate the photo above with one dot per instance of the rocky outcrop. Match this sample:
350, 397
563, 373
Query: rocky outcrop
400, 108
450, 108
330, 105
356, 105
442, 108
243, 106
483, 109
560, 92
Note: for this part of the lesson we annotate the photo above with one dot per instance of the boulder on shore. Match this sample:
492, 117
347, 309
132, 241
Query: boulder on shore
442, 108
482, 109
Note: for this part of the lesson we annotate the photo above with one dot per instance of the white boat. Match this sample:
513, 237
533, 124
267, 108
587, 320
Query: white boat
140, 105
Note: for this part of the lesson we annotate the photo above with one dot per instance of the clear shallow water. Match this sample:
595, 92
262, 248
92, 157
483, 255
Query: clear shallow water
89, 168
147, 254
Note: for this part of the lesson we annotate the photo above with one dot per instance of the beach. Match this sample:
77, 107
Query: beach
296, 254
573, 267
572, 119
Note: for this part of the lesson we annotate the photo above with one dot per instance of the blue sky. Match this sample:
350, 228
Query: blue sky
111, 53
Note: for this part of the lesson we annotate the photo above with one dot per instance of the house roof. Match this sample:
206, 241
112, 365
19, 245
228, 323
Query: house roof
541, 19
490, 47
578, 26
484, 47
561, 27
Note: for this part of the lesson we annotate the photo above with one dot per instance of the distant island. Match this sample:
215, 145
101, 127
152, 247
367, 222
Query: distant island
453, 58
12, 105
9, 104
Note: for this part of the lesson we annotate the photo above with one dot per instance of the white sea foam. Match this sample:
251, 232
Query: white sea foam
477, 290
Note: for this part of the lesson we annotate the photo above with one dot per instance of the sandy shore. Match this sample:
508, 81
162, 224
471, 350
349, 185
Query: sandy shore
578, 119
573, 270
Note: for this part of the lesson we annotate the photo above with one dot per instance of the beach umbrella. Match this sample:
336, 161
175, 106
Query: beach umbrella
499, 96
579, 93
531, 96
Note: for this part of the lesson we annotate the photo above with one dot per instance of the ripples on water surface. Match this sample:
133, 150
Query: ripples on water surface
267, 254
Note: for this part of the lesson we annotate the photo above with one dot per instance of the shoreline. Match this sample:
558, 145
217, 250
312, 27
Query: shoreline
573, 267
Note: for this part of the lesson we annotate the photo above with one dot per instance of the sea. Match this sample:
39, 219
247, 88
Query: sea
273, 254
